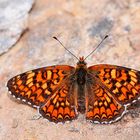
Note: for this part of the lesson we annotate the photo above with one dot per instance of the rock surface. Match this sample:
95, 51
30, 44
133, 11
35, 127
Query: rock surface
80, 25
13, 21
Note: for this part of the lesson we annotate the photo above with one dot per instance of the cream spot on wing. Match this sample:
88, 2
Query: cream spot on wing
30, 75
113, 73
49, 74
132, 73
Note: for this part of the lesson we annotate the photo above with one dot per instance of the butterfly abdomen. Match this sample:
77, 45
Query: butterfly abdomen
81, 99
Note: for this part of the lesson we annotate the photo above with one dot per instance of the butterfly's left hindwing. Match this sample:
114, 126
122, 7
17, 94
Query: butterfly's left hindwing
61, 106
36, 86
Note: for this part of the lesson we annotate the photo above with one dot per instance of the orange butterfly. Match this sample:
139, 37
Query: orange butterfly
102, 92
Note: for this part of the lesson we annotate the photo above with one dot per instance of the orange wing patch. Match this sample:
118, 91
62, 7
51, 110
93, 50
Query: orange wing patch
36, 86
59, 107
102, 107
123, 83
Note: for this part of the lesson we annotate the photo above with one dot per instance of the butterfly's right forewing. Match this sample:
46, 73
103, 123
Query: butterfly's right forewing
123, 83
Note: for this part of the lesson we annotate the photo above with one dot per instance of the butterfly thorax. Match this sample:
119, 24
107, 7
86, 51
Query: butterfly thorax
81, 71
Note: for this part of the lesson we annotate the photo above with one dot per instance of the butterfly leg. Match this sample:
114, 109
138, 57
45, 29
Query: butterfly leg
74, 95
86, 99
37, 116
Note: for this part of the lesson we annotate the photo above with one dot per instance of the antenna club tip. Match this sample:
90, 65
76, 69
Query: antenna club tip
55, 37
106, 36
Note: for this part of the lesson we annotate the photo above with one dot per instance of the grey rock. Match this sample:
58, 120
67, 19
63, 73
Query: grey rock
13, 21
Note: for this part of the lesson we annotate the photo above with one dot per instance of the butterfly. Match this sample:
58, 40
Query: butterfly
102, 92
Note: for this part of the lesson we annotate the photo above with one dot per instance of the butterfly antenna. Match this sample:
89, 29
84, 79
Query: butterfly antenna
65, 47
97, 46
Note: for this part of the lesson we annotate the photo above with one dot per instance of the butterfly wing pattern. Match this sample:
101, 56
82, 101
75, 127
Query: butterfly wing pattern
102, 92
46, 89
111, 90
61, 106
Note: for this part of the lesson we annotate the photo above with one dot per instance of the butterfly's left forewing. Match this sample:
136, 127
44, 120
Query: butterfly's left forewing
36, 86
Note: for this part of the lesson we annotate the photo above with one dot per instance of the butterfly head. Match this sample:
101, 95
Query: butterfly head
81, 62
